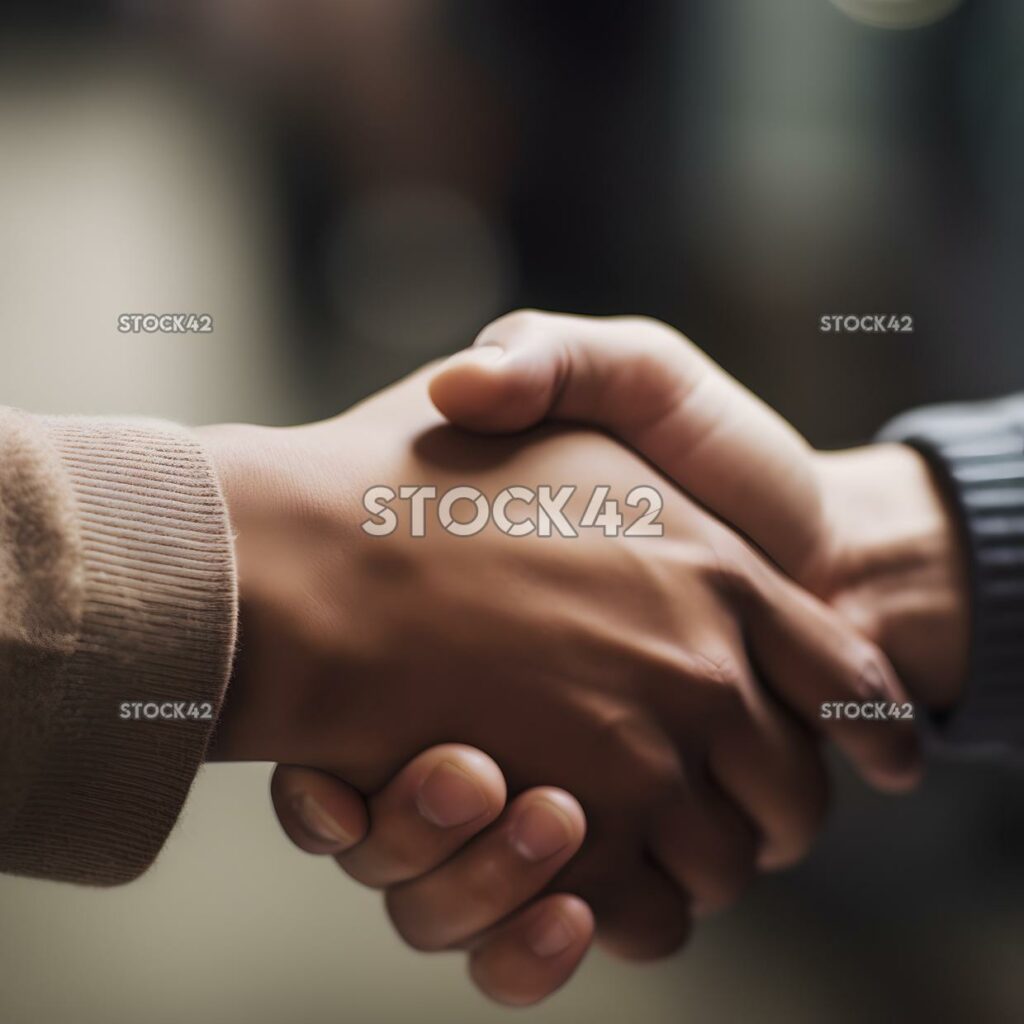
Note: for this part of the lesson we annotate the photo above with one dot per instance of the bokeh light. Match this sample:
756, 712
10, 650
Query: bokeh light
897, 13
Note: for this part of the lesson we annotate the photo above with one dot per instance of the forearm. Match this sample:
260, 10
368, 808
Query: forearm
117, 586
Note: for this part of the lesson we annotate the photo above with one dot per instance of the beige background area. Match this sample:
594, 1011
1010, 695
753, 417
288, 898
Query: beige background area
120, 192
235, 925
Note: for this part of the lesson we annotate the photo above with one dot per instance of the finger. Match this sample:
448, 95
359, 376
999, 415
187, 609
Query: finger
643, 916
658, 392
811, 659
762, 761
708, 846
318, 812
427, 812
769, 766
535, 952
495, 874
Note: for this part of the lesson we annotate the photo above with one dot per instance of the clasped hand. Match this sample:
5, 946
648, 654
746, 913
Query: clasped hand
653, 703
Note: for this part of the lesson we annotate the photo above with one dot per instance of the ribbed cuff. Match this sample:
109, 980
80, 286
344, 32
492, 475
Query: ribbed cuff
157, 628
977, 452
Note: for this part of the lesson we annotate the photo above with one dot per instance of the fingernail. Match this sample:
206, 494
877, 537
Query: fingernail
550, 936
318, 822
449, 797
540, 831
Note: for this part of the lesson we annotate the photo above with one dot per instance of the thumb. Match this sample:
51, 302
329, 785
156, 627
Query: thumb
318, 812
657, 392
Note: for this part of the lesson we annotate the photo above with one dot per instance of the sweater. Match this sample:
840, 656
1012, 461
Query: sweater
117, 603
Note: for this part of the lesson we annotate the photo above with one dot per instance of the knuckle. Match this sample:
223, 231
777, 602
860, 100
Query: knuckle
720, 680
388, 859
728, 568
434, 919
710, 847
656, 939
652, 327
723, 671
716, 712
521, 320
417, 926
650, 765
491, 888
661, 341
864, 617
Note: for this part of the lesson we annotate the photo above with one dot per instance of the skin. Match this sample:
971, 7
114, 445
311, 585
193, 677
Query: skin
868, 530
538, 943
618, 670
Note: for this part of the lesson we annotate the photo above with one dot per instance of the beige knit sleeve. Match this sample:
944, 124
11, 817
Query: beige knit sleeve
117, 622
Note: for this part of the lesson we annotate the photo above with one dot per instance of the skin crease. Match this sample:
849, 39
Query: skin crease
899, 574
867, 530
611, 668
436, 872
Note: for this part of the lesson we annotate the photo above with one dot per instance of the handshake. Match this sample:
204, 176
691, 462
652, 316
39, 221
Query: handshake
528, 737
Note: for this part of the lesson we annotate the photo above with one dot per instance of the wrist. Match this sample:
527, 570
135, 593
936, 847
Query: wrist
899, 570
293, 661
250, 721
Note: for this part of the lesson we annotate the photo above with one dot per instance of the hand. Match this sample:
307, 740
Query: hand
619, 670
435, 838
866, 530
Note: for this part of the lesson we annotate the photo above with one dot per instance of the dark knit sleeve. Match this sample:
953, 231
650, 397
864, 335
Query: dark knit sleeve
977, 451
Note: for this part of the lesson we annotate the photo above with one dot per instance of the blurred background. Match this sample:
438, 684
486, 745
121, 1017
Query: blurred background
352, 187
